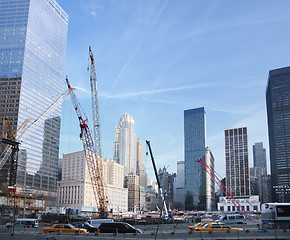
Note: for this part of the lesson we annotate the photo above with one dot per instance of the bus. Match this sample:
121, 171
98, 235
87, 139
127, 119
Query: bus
275, 215
27, 222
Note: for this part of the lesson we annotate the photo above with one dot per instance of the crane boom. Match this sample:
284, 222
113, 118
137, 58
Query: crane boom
92, 159
158, 182
95, 105
224, 189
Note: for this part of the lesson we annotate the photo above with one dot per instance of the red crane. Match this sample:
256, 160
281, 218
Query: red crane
92, 158
224, 189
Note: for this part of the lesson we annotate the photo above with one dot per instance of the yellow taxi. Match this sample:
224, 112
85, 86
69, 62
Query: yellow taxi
192, 228
64, 228
217, 227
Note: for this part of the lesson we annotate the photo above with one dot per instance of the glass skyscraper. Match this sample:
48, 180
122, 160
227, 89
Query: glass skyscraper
194, 148
278, 111
33, 35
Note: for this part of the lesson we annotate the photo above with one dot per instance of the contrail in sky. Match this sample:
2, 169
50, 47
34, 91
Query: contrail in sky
137, 48
136, 94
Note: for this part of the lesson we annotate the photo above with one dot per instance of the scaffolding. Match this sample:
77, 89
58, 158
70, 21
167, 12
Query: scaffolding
25, 204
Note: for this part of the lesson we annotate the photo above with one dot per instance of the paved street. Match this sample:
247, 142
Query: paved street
168, 231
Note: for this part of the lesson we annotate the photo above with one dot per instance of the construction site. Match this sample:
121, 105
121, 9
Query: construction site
16, 200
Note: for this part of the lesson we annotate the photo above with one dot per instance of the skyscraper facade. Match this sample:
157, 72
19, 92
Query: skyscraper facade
237, 161
33, 35
179, 186
125, 144
209, 182
194, 148
278, 113
140, 168
75, 190
259, 156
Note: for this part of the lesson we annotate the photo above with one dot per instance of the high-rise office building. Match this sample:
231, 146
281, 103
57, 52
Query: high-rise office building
140, 168
209, 182
132, 183
278, 112
259, 156
179, 186
166, 180
237, 161
33, 35
125, 144
194, 148
266, 189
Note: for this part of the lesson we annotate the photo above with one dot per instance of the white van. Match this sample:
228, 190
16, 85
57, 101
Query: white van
97, 222
27, 222
232, 219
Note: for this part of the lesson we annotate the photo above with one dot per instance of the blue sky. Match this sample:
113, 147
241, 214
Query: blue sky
154, 59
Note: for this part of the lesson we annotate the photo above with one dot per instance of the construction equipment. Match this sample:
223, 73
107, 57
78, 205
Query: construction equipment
224, 189
92, 159
165, 215
95, 105
14, 147
23, 132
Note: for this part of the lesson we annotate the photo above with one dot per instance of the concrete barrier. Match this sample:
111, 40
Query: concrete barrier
278, 234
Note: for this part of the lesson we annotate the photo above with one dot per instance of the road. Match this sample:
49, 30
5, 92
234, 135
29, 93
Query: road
166, 231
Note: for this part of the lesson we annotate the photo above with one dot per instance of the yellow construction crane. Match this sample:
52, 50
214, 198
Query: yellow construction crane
11, 141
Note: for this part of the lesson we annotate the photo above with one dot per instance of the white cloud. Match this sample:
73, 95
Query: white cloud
84, 90
93, 13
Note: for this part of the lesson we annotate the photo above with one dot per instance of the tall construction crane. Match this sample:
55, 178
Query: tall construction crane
95, 105
92, 158
13, 144
224, 189
23, 132
165, 216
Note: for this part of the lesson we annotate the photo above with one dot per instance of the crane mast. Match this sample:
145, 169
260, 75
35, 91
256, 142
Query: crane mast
92, 158
95, 105
224, 189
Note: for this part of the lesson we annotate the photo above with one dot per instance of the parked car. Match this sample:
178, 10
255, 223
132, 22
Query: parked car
118, 227
217, 227
232, 219
87, 226
66, 228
